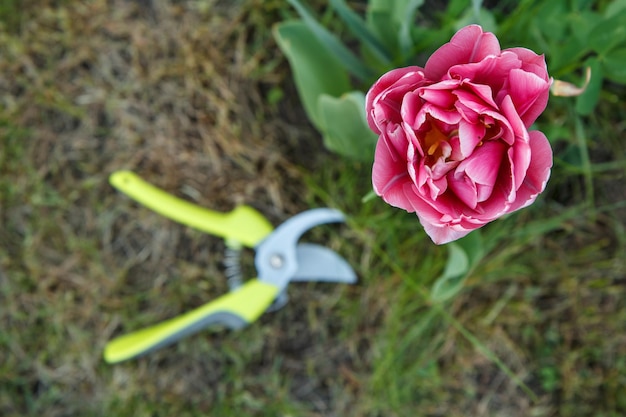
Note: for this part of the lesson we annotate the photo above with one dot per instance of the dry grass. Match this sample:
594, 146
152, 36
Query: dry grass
177, 94
187, 95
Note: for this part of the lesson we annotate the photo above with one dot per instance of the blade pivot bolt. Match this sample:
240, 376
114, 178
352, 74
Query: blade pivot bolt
277, 261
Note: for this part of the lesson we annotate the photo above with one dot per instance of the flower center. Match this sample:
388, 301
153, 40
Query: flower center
433, 141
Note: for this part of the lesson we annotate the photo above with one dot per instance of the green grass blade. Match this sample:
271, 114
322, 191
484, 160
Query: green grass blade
585, 161
487, 353
423, 293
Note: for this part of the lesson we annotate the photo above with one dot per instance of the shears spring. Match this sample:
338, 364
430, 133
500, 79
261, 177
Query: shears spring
232, 266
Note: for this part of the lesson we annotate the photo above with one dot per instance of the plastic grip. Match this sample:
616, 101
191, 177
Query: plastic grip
243, 224
235, 310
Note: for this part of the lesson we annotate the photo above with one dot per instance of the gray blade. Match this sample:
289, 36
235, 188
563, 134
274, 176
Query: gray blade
318, 263
276, 256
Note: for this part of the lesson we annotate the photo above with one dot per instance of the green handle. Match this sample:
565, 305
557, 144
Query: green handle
235, 310
244, 224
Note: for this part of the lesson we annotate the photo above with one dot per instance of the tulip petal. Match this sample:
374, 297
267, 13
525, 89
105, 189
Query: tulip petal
464, 188
485, 92
389, 176
396, 77
470, 44
441, 228
440, 93
529, 94
448, 117
387, 106
531, 62
497, 204
538, 171
470, 135
412, 103
484, 164
519, 153
491, 71
441, 234
396, 141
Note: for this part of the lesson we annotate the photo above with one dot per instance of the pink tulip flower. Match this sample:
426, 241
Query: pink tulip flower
454, 145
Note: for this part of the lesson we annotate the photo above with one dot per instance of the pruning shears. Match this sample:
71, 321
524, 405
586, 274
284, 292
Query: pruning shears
279, 259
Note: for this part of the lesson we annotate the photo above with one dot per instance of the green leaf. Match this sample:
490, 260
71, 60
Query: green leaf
586, 102
549, 19
360, 29
393, 21
564, 56
345, 127
451, 281
614, 65
463, 256
582, 23
476, 6
406, 10
315, 70
473, 246
614, 8
332, 43
369, 197
381, 23
608, 33
484, 18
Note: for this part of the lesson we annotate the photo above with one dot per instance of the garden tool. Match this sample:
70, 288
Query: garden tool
279, 259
